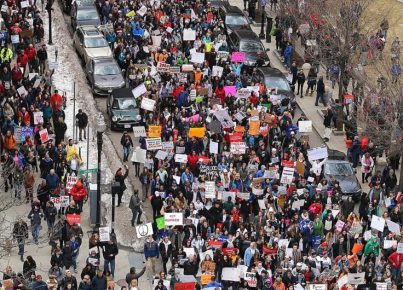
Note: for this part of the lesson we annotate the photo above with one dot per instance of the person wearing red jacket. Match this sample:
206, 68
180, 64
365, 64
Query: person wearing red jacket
16, 75
78, 193
24, 116
56, 101
395, 260
220, 93
22, 59
30, 51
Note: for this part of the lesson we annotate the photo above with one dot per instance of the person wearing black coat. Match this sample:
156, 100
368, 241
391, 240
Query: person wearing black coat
191, 266
67, 256
165, 249
327, 121
120, 177
68, 279
60, 130
320, 92
300, 82
110, 251
82, 122
99, 281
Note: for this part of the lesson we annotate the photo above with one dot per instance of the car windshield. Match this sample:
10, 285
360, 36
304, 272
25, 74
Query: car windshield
85, 2
124, 104
250, 46
87, 15
235, 20
106, 69
341, 169
277, 82
94, 42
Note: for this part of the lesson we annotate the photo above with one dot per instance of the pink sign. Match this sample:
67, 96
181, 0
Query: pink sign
230, 90
193, 119
238, 56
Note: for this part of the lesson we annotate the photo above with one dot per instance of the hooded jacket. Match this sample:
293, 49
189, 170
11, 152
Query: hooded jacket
78, 192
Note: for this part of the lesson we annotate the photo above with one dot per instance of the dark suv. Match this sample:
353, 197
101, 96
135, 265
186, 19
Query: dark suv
233, 18
122, 109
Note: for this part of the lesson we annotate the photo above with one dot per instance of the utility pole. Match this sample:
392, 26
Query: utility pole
49, 9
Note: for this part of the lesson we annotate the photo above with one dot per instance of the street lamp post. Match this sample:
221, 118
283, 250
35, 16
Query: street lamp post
115, 190
49, 9
101, 126
262, 35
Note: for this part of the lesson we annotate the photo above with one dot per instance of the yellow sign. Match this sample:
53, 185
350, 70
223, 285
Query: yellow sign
197, 132
254, 127
154, 131
206, 278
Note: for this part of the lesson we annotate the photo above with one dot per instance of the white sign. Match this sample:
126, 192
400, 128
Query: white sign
139, 131
197, 57
142, 10
257, 191
163, 67
387, 244
56, 202
393, 227
153, 143
181, 158
217, 70
262, 205
356, 278
38, 117
22, 91
144, 230
400, 248
222, 54
305, 126
161, 155
139, 155
377, 223
104, 234
169, 145
230, 274
242, 93
210, 189
189, 34
139, 90
173, 219
224, 118
189, 251
24, 4
147, 104
342, 281
64, 201
213, 147
238, 147
71, 180
317, 153
287, 175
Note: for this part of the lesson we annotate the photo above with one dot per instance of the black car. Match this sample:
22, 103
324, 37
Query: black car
233, 18
84, 16
122, 109
344, 173
69, 5
248, 42
274, 78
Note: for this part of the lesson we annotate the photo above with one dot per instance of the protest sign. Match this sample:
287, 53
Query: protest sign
257, 191
339, 226
381, 286
238, 147
197, 132
356, 278
71, 180
163, 67
222, 55
240, 116
230, 90
223, 117
173, 219
139, 131
206, 278
8, 284
56, 202
168, 145
197, 57
317, 153
181, 158
64, 201
161, 155
261, 203
230, 274
142, 10
243, 195
242, 93
73, 219
185, 286
387, 244
287, 175
251, 279
400, 248
213, 147
189, 34
305, 126
393, 227
238, 56
342, 281
43, 134
38, 118
377, 223
144, 230
156, 41
139, 155
254, 127
210, 189
160, 223
104, 234
154, 131
15, 39
217, 71
139, 90
235, 137
153, 143
229, 251
147, 104
186, 68
174, 69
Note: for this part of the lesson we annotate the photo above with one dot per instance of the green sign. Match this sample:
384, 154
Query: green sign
160, 223
90, 170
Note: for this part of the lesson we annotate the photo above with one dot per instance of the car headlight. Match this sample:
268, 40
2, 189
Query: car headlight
114, 119
122, 84
138, 117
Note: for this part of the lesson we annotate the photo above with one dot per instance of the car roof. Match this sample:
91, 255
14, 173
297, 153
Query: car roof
87, 8
217, 4
233, 10
123, 93
336, 155
246, 34
271, 72
90, 30
84, 3
104, 59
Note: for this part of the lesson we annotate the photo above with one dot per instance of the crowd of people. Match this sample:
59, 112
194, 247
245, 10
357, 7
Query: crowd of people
238, 199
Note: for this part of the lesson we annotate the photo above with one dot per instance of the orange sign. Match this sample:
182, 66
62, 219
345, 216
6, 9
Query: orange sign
206, 278
154, 131
254, 127
197, 132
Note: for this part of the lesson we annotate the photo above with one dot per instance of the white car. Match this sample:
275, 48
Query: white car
89, 43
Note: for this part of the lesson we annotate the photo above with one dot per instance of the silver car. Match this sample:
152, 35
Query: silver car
89, 42
104, 75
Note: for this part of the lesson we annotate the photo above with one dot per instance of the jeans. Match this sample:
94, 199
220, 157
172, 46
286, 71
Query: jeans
36, 228
18, 189
80, 133
110, 262
320, 96
126, 151
136, 215
21, 246
50, 223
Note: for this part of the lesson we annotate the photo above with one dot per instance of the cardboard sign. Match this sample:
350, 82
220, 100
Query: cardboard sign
287, 175
44, 135
73, 219
154, 131
173, 219
238, 147
153, 143
317, 153
197, 57
238, 56
305, 126
185, 286
181, 158
144, 230
213, 149
230, 90
189, 34
163, 67
160, 223
38, 118
210, 189
139, 90
139, 131
104, 234
64, 201
254, 127
377, 223
56, 202
206, 278
139, 155
71, 180
197, 132
147, 104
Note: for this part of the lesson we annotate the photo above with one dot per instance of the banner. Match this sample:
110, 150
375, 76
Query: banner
197, 132
173, 219
153, 143
154, 131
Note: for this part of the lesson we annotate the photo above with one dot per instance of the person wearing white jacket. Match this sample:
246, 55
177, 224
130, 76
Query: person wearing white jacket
367, 164
317, 168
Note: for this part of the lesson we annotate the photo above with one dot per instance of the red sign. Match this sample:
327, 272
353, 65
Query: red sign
185, 286
229, 251
236, 137
44, 135
286, 163
73, 219
215, 244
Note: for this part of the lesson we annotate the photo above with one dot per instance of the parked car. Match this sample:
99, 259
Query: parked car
104, 75
274, 78
233, 18
248, 42
84, 16
122, 109
89, 42
344, 173
75, 4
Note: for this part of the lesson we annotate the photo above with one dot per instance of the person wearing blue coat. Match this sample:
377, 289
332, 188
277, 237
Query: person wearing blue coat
249, 253
288, 54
